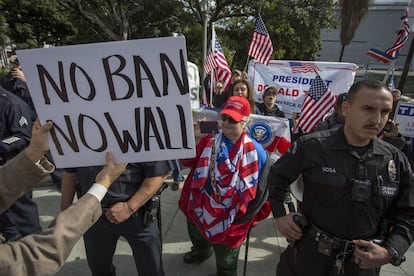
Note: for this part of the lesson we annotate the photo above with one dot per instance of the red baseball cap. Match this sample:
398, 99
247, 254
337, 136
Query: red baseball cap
237, 108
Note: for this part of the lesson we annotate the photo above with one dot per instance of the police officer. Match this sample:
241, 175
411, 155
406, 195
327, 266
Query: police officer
124, 214
16, 120
353, 184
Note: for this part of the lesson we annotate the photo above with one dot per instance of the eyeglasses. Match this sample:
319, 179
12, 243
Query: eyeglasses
219, 87
269, 93
228, 118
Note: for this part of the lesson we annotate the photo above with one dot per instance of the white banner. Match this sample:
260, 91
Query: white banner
404, 115
131, 97
293, 79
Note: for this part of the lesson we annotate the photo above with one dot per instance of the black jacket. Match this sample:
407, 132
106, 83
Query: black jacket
330, 168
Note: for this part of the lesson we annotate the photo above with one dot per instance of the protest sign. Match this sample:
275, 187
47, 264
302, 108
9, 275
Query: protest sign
129, 97
404, 115
293, 79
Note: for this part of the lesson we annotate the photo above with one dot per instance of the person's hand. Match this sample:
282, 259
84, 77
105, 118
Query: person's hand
17, 73
288, 228
369, 255
394, 130
38, 143
197, 132
119, 212
110, 172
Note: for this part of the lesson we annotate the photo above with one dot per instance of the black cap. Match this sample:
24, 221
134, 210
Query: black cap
341, 98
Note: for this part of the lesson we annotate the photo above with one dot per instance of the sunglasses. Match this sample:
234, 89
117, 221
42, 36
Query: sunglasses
228, 118
268, 93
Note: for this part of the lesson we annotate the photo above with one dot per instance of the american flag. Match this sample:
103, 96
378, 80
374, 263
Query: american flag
222, 71
392, 53
260, 46
316, 104
303, 67
210, 63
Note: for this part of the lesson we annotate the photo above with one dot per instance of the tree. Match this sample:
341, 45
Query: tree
352, 13
33, 23
293, 25
127, 19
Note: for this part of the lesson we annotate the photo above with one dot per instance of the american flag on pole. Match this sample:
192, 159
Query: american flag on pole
260, 46
210, 63
316, 104
392, 53
303, 67
222, 71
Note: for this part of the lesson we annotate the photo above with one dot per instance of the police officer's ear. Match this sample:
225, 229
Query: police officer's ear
345, 106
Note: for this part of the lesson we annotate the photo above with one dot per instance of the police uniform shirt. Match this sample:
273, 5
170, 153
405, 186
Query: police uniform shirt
329, 166
125, 185
16, 119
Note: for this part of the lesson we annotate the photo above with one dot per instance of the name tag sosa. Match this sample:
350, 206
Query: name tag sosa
388, 191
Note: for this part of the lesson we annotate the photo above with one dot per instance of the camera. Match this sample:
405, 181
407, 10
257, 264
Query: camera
209, 127
361, 190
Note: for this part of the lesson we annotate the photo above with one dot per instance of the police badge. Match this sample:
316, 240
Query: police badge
392, 170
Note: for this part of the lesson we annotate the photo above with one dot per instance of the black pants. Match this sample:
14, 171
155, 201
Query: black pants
101, 239
21, 218
304, 260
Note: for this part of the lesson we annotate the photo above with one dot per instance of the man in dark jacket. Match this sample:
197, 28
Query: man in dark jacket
354, 183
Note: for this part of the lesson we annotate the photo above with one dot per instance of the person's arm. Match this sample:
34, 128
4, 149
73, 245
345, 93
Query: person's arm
23, 171
45, 253
281, 175
156, 172
18, 121
68, 189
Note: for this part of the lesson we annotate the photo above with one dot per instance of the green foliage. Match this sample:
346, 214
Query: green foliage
294, 25
33, 23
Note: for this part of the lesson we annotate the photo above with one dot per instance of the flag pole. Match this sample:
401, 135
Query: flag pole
247, 62
212, 80
392, 63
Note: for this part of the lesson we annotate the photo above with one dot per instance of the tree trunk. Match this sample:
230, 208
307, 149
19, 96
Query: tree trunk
342, 53
403, 78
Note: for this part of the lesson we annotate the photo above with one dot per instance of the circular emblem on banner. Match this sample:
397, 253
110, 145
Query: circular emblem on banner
261, 132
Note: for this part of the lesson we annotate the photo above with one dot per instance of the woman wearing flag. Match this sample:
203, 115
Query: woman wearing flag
223, 181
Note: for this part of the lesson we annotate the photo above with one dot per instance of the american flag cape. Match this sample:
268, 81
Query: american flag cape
237, 176
260, 46
316, 104
392, 53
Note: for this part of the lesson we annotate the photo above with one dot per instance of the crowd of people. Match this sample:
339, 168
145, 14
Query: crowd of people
356, 213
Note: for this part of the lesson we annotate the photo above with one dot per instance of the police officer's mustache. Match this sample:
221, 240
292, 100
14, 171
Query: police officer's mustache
372, 126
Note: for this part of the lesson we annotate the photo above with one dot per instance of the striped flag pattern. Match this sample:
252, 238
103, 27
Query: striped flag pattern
303, 67
260, 46
210, 63
316, 104
392, 53
222, 71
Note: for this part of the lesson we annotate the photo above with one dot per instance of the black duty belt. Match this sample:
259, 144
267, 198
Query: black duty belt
328, 244
319, 234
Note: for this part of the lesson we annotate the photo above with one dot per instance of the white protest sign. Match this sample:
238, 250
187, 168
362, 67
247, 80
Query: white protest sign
293, 79
129, 97
404, 115
194, 84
